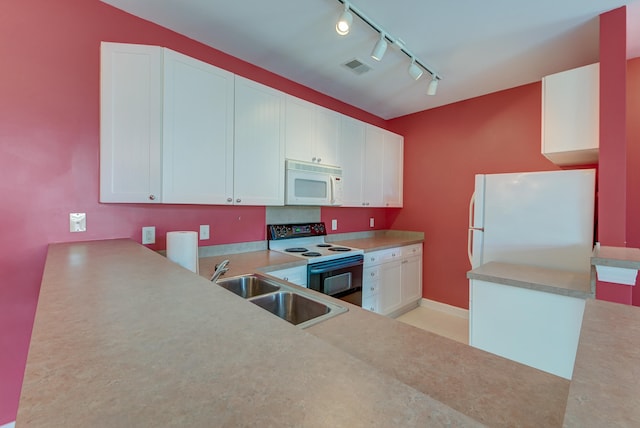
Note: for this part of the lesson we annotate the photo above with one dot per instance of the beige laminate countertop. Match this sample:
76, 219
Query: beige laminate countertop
536, 278
381, 242
123, 337
605, 391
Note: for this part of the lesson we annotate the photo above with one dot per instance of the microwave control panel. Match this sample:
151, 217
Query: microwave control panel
301, 230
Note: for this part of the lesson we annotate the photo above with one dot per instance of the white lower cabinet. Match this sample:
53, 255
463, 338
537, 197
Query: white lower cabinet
532, 327
295, 275
392, 280
411, 282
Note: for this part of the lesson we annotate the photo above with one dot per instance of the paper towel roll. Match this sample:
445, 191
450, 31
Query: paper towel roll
182, 248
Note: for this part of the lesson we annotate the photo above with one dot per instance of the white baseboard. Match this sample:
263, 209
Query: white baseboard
443, 307
9, 425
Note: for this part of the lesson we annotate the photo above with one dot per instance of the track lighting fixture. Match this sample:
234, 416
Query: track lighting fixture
414, 71
344, 22
433, 85
416, 68
380, 48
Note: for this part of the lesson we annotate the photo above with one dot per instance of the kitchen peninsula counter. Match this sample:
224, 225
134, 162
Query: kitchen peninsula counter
123, 337
565, 283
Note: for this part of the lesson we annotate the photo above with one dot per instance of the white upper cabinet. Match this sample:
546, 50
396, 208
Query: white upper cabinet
392, 169
373, 163
351, 150
130, 123
570, 116
177, 130
197, 150
372, 160
311, 132
259, 144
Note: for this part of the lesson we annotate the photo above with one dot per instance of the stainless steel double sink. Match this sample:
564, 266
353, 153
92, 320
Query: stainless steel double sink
289, 303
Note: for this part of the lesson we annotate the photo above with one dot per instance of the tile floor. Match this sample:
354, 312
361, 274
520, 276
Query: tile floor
438, 322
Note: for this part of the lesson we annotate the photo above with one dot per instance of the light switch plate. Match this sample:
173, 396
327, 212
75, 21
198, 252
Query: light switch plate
148, 235
77, 222
334, 224
372, 222
204, 232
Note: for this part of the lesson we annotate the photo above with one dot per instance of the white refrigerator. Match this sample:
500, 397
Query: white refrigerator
538, 219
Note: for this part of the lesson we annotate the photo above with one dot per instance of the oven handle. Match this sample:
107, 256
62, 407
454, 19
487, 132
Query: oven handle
330, 265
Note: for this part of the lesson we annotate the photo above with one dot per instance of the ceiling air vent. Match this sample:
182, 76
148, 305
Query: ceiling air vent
357, 66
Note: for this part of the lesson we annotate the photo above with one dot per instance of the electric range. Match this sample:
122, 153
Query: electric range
334, 270
307, 241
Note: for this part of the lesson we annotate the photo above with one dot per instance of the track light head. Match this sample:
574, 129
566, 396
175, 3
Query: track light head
380, 48
433, 85
414, 71
344, 22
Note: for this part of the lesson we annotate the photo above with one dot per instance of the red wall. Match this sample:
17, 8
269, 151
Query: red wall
633, 160
614, 159
444, 149
49, 140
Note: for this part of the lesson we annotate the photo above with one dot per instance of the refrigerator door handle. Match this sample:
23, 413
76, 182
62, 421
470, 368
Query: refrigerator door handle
472, 204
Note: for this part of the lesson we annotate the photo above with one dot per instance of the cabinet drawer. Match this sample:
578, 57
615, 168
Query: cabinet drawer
382, 256
411, 250
391, 254
373, 258
370, 303
370, 274
370, 288
296, 275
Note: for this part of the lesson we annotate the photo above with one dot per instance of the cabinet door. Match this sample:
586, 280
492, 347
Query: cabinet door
532, 327
411, 279
373, 164
392, 169
299, 129
197, 151
390, 295
326, 136
570, 116
295, 275
130, 123
259, 144
351, 152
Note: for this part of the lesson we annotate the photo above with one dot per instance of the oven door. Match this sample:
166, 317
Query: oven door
341, 278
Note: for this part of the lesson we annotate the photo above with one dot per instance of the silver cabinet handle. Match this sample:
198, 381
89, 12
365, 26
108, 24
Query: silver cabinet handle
319, 160
238, 200
313, 160
152, 197
229, 199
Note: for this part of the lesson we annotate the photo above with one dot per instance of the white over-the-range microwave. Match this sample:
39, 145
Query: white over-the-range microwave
312, 184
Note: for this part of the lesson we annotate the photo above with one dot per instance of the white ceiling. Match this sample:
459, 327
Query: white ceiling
478, 47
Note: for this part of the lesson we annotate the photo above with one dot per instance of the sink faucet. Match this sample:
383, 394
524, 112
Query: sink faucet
220, 269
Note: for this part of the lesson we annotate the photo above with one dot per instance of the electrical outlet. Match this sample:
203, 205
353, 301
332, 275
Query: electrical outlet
149, 235
372, 222
204, 232
77, 222
334, 224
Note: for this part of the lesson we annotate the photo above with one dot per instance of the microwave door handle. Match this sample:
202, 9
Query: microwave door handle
333, 190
